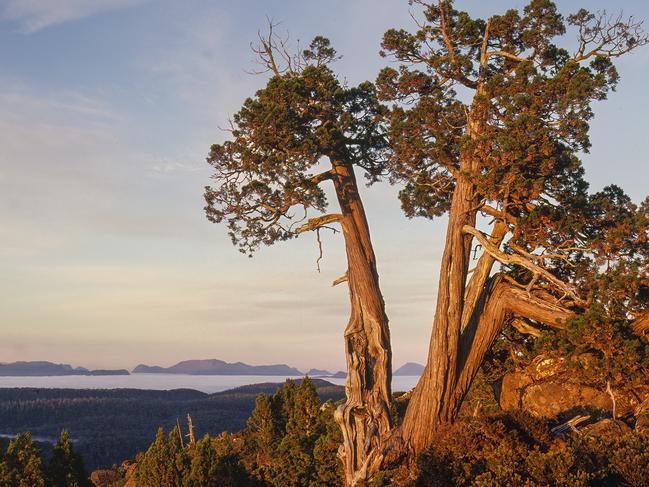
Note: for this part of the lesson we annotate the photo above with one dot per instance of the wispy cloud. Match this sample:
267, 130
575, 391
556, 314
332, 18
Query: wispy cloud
34, 15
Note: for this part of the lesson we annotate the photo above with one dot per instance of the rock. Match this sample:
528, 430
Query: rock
547, 388
550, 399
606, 427
511, 390
103, 478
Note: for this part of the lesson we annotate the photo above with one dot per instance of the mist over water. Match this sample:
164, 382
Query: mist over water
204, 383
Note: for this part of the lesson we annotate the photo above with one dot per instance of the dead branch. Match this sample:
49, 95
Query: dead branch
604, 35
341, 279
521, 261
319, 221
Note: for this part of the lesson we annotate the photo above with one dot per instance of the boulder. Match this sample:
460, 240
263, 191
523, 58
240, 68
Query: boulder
103, 478
548, 389
549, 399
607, 428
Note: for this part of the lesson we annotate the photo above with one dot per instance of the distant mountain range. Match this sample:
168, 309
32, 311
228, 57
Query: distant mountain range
218, 367
42, 368
189, 367
409, 368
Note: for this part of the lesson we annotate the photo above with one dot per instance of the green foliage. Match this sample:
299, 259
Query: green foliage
65, 468
292, 440
163, 463
264, 175
328, 466
22, 465
598, 344
203, 466
263, 432
297, 465
518, 450
528, 115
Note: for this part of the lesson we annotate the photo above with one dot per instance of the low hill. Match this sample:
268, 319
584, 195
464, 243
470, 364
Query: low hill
409, 368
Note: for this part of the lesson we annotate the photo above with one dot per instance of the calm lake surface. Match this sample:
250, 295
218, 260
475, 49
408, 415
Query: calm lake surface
203, 383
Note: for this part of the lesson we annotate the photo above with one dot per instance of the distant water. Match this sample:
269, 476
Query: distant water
204, 383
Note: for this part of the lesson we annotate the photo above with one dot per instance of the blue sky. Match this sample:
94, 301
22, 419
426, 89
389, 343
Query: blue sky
107, 110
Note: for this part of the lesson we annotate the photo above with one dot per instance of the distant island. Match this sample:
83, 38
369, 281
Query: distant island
409, 368
218, 367
187, 367
43, 368
318, 373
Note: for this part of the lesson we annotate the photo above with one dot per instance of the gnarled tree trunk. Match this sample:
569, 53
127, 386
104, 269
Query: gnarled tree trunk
365, 416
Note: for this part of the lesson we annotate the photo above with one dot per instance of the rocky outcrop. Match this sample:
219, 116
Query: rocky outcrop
548, 389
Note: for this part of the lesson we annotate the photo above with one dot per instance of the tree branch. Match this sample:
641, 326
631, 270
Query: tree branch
340, 280
320, 221
518, 260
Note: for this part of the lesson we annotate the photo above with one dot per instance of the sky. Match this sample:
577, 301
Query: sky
107, 111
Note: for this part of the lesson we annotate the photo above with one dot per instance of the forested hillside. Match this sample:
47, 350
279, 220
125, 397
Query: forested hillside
108, 426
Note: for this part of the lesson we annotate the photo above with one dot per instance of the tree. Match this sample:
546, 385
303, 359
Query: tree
66, 469
295, 465
203, 467
268, 189
328, 468
262, 432
164, 463
229, 470
22, 465
509, 155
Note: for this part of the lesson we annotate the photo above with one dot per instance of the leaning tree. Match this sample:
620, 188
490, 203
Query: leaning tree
487, 119
303, 130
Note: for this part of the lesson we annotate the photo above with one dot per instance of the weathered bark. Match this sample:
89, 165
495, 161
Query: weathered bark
364, 418
432, 399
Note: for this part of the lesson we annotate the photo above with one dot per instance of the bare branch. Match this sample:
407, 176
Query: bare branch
340, 280
606, 35
518, 260
320, 221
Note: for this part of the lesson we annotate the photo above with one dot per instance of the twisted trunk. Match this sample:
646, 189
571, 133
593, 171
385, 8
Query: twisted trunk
364, 418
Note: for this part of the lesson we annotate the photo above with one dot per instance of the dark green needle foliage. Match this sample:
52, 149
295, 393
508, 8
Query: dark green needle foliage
504, 94
65, 468
266, 174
